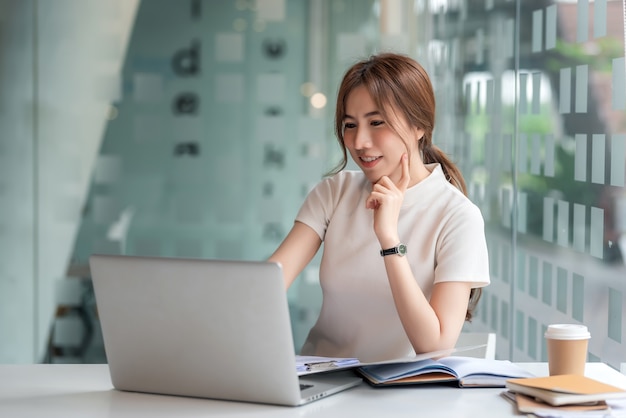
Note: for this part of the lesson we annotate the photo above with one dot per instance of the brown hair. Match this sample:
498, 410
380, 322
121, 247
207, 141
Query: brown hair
400, 87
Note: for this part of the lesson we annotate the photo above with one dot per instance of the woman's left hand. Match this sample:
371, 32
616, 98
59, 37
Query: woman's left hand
386, 200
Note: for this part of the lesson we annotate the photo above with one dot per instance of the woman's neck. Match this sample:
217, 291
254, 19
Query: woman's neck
418, 171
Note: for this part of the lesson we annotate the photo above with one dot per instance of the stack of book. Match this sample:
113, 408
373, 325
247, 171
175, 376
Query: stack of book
562, 394
426, 368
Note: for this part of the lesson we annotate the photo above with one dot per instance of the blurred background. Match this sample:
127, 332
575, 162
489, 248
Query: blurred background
191, 128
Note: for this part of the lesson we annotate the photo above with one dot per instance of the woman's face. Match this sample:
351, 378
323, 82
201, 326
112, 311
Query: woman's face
373, 144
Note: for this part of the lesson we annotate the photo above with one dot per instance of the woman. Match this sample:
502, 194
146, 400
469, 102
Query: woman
404, 249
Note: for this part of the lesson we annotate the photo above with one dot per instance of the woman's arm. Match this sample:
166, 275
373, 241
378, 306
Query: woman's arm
296, 251
430, 325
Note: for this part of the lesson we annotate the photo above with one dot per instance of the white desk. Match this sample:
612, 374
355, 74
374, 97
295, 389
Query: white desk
85, 391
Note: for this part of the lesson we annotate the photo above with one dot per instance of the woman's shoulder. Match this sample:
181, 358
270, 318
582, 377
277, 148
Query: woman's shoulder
454, 202
332, 192
460, 208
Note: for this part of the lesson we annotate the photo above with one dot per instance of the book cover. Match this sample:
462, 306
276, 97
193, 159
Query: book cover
566, 389
464, 371
529, 405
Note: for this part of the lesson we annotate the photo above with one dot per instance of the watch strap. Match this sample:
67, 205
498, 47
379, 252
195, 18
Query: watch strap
399, 249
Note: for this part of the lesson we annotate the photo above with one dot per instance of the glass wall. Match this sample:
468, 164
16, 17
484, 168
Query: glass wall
195, 129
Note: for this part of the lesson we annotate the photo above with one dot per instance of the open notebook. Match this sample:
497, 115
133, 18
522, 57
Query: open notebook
202, 328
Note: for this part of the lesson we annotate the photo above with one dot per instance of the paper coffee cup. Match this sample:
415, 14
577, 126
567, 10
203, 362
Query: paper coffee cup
567, 348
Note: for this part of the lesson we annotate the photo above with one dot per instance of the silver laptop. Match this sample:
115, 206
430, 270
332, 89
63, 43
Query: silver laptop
202, 328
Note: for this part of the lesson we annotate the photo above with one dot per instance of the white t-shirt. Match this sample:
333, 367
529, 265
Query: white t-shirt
445, 238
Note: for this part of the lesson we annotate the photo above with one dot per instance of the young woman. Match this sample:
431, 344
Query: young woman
404, 253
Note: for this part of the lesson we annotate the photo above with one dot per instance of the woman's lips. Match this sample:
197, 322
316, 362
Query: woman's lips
369, 162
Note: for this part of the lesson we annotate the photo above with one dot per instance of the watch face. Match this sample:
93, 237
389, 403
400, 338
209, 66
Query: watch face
402, 249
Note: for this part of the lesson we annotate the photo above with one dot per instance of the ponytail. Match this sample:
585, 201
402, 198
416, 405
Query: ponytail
433, 154
474, 297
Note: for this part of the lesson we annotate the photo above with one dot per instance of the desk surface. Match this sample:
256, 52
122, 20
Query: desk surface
86, 391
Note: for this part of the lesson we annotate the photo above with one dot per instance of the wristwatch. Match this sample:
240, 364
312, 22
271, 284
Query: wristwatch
399, 249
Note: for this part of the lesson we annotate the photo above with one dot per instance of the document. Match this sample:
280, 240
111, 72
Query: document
529, 405
316, 364
307, 364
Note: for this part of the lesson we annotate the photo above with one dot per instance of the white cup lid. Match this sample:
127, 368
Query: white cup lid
567, 332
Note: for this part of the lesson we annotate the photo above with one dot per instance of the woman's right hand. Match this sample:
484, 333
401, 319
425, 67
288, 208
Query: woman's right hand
386, 200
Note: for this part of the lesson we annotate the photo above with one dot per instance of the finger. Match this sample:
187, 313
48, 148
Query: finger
384, 185
403, 183
375, 199
372, 203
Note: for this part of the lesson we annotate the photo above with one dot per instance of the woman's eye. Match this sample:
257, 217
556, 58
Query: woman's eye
349, 125
377, 122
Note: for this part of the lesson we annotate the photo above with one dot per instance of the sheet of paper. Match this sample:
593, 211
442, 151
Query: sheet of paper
319, 363
348, 362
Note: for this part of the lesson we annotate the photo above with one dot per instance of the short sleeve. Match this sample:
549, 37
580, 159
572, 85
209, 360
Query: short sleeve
316, 210
461, 253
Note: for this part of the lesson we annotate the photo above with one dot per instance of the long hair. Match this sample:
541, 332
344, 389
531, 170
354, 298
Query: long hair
400, 87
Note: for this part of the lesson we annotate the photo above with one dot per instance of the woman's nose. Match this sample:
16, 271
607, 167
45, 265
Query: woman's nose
362, 139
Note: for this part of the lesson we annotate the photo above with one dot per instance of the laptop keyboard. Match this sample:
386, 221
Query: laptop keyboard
305, 386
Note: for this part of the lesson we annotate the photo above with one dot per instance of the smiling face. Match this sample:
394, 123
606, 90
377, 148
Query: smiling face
372, 142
